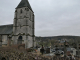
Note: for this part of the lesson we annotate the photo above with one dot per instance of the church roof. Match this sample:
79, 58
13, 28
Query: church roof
6, 29
24, 3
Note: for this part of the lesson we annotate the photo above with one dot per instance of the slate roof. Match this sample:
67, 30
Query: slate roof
24, 3
6, 29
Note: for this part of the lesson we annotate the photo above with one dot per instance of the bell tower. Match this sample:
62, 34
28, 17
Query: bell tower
23, 26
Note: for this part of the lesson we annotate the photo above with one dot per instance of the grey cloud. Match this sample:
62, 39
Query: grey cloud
52, 17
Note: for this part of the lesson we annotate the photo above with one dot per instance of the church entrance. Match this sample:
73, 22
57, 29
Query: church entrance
19, 40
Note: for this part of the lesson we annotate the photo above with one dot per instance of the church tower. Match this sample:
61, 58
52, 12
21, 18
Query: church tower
23, 27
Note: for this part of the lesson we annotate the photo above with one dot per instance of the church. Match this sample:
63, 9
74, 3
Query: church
22, 29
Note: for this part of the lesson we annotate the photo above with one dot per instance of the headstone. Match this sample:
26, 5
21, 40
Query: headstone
47, 50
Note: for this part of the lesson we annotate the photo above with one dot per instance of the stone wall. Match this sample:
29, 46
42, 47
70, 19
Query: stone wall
4, 39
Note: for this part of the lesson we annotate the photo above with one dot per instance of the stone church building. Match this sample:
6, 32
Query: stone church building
22, 29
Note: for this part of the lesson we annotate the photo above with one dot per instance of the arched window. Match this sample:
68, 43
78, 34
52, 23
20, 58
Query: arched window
19, 40
20, 37
21, 11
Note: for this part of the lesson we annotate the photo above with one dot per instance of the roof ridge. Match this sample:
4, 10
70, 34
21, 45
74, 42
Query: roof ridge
6, 25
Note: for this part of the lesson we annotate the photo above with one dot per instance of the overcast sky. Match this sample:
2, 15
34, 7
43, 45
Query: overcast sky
52, 17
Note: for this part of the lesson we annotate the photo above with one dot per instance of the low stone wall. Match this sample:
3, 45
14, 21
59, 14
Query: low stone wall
17, 46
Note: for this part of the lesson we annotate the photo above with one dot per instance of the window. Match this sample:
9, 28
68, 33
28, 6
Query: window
20, 37
21, 11
25, 8
19, 40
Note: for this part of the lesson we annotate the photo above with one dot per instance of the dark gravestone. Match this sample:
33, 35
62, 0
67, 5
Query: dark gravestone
42, 51
47, 50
